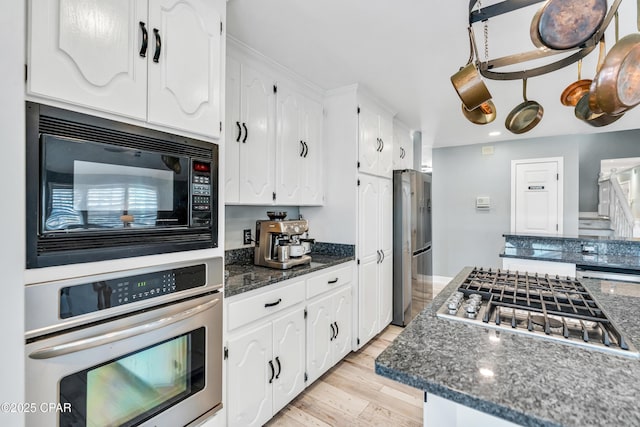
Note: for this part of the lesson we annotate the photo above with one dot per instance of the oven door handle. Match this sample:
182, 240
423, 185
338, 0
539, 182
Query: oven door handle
98, 340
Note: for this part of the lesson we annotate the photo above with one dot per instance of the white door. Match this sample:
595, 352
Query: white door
312, 119
368, 319
385, 215
289, 148
257, 149
288, 357
319, 334
536, 197
233, 133
369, 219
368, 141
185, 66
88, 53
249, 393
385, 167
385, 291
342, 315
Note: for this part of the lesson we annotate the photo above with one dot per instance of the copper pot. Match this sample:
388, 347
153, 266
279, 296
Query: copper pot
576, 90
566, 24
525, 116
483, 114
618, 82
584, 113
468, 83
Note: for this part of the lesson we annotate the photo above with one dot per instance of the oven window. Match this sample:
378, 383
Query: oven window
95, 186
134, 388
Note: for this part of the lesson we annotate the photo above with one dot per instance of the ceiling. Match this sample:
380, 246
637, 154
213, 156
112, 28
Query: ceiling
405, 52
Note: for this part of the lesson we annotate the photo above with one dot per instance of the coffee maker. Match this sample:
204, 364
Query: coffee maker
278, 242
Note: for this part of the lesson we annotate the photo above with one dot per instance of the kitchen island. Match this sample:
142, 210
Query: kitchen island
526, 380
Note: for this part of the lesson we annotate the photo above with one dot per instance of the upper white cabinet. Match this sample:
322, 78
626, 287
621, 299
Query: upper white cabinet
250, 135
375, 141
402, 147
158, 60
298, 148
273, 134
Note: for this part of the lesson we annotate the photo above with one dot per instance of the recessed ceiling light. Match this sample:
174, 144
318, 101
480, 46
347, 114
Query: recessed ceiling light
495, 133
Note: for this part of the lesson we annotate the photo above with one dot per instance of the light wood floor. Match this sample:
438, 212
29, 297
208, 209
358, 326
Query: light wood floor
352, 394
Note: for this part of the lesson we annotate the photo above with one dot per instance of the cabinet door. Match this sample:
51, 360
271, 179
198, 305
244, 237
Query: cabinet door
368, 301
385, 290
87, 52
249, 393
319, 333
368, 141
257, 150
184, 82
289, 147
385, 215
398, 144
233, 133
312, 118
385, 167
289, 358
342, 316
368, 219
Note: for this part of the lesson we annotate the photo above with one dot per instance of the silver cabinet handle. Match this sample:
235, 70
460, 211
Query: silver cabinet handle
98, 340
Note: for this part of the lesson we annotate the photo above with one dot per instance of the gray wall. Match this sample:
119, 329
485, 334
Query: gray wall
462, 235
595, 147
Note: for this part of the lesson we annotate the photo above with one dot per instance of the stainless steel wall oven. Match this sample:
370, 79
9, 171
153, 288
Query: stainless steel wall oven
138, 347
99, 189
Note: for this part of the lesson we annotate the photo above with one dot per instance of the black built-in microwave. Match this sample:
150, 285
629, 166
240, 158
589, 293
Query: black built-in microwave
98, 189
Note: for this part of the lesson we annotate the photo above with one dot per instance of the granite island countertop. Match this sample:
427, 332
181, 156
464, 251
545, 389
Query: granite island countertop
245, 276
535, 381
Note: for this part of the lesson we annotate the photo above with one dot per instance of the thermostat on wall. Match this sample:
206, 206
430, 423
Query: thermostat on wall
483, 202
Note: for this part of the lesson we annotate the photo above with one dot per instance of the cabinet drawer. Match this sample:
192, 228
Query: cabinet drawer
248, 309
328, 281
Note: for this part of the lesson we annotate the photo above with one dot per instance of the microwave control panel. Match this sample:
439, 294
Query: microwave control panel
201, 193
100, 295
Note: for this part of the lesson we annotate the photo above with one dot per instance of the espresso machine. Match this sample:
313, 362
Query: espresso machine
278, 242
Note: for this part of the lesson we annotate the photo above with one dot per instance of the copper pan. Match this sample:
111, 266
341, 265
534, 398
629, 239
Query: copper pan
485, 113
584, 113
468, 83
566, 24
594, 107
576, 90
525, 116
618, 82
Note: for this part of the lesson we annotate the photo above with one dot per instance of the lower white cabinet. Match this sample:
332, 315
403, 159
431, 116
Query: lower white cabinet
265, 369
329, 331
441, 412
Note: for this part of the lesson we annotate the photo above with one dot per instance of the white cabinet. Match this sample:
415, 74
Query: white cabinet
157, 60
250, 136
402, 146
329, 331
298, 149
375, 141
375, 245
265, 367
442, 412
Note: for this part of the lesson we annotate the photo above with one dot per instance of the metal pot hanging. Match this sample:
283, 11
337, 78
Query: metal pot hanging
525, 116
576, 90
566, 24
468, 83
481, 115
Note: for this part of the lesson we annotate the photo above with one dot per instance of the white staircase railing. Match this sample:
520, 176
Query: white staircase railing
614, 204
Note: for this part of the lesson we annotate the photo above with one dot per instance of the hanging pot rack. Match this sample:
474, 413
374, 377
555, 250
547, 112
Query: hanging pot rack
488, 68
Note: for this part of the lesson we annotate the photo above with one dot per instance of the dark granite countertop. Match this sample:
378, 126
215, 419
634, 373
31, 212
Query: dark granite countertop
245, 276
535, 382
578, 258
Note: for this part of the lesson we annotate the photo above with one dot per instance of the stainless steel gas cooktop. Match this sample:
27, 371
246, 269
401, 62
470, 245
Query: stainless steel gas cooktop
546, 306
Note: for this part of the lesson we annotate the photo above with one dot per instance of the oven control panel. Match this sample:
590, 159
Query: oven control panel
201, 185
95, 296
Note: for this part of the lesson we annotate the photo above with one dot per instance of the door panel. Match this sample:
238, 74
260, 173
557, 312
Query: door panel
184, 85
368, 219
289, 351
75, 56
318, 338
249, 397
385, 290
312, 132
385, 167
536, 198
385, 204
342, 306
257, 149
233, 133
368, 144
289, 173
368, 301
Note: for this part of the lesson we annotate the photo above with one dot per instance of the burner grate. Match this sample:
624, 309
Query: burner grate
548, 305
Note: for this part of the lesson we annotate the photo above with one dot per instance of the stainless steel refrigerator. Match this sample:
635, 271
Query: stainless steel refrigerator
412, 263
